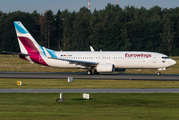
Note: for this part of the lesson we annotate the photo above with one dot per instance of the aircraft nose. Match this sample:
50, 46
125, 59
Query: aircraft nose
173, 62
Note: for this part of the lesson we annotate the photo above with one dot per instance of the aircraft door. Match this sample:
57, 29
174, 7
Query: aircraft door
154, 58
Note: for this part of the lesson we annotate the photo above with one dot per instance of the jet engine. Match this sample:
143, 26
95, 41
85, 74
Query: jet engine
106, 67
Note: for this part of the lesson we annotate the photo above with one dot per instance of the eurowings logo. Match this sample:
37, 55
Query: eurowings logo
138, 55
163, 61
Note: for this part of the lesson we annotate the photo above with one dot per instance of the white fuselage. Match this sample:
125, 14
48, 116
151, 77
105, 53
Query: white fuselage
121, 60
98, 61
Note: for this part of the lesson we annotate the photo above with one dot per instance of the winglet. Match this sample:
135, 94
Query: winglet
92, 50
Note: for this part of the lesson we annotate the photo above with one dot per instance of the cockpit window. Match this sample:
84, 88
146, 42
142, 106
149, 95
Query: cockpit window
165, 57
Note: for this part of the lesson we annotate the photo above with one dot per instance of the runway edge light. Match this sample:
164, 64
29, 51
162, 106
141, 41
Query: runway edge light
19, 82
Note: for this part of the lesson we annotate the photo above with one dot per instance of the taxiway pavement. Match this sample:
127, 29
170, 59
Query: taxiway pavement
152, 90
104, 76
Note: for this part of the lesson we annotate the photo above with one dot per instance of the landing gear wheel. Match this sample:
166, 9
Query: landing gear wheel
89, 72
158, 73
95, 72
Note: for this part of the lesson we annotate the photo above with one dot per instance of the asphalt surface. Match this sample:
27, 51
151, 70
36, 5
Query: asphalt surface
111, 76
106, 76
153, 90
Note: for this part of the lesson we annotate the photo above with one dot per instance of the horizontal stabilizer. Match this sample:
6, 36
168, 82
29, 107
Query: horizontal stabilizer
15, 53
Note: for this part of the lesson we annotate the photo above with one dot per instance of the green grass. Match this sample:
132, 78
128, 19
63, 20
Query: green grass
113, 106
119, 106
79, 83
14, 63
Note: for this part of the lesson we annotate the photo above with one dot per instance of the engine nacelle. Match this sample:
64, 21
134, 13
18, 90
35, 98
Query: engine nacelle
105, 67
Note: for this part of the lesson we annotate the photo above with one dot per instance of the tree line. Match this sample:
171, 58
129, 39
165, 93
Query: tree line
111, 29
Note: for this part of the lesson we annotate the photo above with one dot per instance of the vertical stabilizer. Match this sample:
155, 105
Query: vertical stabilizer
26, 41
28, 45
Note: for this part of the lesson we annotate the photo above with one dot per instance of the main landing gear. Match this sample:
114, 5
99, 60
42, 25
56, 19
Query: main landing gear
96, 72
89, 72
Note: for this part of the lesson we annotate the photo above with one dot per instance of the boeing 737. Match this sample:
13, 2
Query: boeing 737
97, 61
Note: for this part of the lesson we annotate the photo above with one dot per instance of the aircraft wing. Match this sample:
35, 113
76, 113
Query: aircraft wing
76, 62
82, 63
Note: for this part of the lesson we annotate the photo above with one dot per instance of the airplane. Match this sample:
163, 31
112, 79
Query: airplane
97, 61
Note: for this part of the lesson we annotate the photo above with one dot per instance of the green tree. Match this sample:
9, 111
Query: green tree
126, 39
47, 27
168, 36
68, 31
81, 30
58, 30
112, 28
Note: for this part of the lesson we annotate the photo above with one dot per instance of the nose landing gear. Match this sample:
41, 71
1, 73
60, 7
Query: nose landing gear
160, 69
158, 73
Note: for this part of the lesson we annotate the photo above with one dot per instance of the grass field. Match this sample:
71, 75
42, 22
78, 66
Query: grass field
17, 64
115, 106
106, 106
79, 83
14, 63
